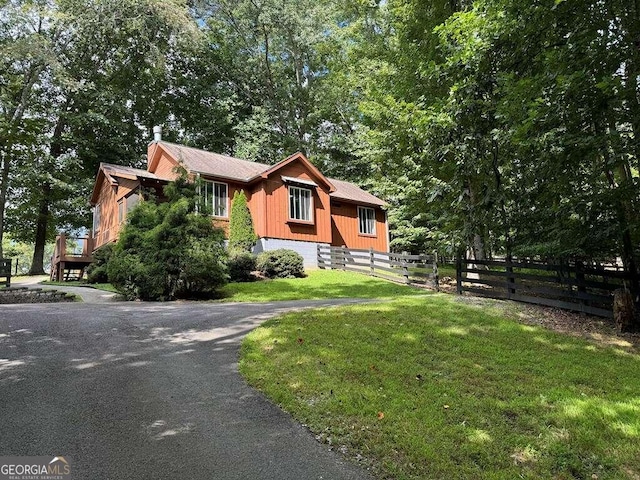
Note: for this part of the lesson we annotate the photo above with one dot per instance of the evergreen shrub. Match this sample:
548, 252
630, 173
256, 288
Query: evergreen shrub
281, 263
97, 271
168, 250
241, 266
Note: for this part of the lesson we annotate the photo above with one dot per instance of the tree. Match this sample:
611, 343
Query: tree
242, 236
100, 71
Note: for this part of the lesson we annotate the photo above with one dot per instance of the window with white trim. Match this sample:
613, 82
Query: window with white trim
300, 204
96, 219
367, 221
216, 197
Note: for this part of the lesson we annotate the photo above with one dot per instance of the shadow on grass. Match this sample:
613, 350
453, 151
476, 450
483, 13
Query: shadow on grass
463, 390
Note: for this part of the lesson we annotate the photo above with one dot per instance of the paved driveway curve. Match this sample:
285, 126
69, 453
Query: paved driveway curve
149, 391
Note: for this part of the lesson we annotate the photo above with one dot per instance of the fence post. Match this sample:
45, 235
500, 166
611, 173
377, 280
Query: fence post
343, 257
372, 262
459, 273
510, 278
405, 268
436, 280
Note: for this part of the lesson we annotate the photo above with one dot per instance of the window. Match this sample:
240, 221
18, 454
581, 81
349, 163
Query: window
122, 204
132, 201
96, 219
300, 204
367, 220
216, 197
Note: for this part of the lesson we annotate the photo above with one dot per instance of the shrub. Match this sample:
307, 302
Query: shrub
280, 263
97, 271
168, 251
242, 236
241, 264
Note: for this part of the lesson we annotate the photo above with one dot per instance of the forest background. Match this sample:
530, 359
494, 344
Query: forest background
494, 126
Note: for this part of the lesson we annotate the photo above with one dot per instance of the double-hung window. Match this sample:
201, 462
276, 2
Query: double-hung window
367, 221
216, 197
300, 204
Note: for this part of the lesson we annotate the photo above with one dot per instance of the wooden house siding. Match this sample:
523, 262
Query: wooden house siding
165, 166
346, 231
277, 221
257, 204
267, 188
108, 198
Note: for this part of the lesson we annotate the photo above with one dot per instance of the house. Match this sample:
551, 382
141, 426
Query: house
293, 205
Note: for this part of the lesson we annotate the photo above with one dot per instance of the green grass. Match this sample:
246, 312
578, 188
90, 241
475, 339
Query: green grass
80, 283
463, 391
319, 284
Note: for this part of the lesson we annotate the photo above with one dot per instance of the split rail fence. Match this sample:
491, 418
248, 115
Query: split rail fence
397, 267
571, 286
567, 285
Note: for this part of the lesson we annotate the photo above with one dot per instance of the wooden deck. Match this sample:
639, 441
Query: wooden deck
72, 255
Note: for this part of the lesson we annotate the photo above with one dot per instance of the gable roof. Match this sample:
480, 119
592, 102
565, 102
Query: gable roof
236, 169
301, 158
127, 172
112, 172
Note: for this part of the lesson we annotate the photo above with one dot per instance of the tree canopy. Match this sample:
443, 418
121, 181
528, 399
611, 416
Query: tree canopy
503, 127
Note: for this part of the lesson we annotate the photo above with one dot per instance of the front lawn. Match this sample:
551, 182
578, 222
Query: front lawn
428, 387
317, 285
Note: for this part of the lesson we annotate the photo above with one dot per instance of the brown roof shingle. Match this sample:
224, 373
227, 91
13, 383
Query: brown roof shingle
224, 166
215, 164
353, 193
128, 172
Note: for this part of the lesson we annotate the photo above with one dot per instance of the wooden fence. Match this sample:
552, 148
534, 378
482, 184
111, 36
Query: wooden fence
5, 271
409, 269
571, 286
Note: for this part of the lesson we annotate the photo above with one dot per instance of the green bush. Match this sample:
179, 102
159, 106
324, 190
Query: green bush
97, 271
241, 265
280, 263
242, 236
168, 250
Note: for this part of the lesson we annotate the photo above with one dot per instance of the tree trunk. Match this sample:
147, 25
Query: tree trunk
42, 225
623, 310
37, 264
4, 187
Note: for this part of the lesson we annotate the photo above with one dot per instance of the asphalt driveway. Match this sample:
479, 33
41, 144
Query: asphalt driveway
149, 391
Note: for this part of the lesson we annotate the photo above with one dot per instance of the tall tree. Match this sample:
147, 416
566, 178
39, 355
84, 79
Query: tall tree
98, 68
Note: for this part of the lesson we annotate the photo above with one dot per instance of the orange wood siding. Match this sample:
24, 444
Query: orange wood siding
108, 200
277, 223
165, 166
346, 230
257, 205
